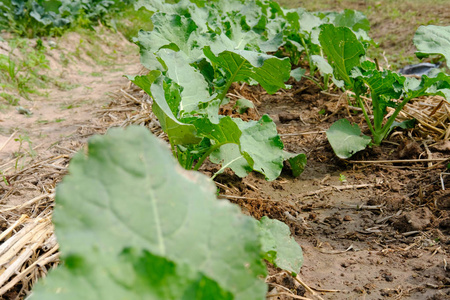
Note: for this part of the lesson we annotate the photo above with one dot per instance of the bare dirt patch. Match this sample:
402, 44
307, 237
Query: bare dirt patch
367, 230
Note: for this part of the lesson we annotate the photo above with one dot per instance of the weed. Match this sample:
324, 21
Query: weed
20, 69
11, 99
22, 139
97, 74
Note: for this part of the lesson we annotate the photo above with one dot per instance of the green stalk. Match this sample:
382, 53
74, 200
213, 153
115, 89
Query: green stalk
326, 80
377, 138
311, 66
172, 146
313, 80
366, 116
377, 113
204, 156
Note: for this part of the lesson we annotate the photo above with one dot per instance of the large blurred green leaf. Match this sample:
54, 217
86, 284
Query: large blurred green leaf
127, 214
433, 39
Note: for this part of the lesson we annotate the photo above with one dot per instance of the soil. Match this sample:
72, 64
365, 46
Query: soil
380, 232
367, 230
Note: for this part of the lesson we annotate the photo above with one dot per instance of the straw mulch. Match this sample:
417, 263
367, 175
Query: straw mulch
432, 115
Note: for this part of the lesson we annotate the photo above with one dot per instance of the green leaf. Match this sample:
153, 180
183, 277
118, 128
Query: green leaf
259, 149
143, 275
170, 31
431, 40
230, 156
280, 248
385, 83
352, 19
145, 81
325, 69
407, 124
308, 21
165, 279
298, 73
167, 98
260, 140
129, 222
241, 65
346, 139
322, 64
296, 161
439, 84
243, 105
223, 133
343, 50
195, 88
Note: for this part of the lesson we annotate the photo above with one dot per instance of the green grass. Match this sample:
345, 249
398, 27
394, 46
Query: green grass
130, 22
21, 70
97, 74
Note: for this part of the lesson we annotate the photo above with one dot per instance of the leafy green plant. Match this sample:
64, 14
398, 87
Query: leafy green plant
193, 67
132, 224
32, 18
385, 88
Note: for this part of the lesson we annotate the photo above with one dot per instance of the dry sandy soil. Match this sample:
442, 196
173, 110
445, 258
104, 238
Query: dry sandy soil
383, 232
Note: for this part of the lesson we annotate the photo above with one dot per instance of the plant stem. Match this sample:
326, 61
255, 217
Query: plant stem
313, 80
225, 166
204, 156
366, 116
382, 134
378, 114
311, 65
326, 80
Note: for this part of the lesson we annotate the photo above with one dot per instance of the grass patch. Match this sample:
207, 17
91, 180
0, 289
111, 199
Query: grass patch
130, 22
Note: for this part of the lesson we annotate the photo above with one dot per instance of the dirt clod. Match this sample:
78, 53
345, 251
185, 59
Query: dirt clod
409, 149
287, 117
414, 220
